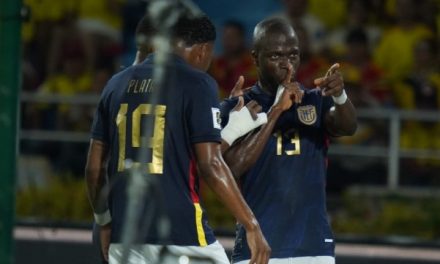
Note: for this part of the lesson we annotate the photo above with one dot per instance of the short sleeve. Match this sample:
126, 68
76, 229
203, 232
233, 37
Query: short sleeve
327, 103
225, 107
203, 111
100, 126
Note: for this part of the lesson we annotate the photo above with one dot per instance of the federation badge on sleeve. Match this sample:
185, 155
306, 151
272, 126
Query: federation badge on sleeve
216, 119
307, 114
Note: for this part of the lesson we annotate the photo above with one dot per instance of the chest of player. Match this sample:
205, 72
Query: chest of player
300, 130
297, 141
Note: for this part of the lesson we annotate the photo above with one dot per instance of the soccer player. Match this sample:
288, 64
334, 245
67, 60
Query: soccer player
282, 172
184, 140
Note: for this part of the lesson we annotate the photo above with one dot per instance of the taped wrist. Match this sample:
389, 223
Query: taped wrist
340, 100
240, 123
103, 218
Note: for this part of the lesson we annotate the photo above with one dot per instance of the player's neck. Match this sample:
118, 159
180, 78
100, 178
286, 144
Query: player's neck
268, 87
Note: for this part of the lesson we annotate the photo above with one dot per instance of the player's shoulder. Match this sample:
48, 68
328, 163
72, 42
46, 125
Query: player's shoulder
115, 81
314, 97
193, 81
195, 76
311, 91
311, 94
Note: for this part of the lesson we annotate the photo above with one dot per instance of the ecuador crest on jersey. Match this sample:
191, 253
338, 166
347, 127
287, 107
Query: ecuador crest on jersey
307, 114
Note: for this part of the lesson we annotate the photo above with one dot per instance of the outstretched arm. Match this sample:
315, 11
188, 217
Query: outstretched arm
219, 178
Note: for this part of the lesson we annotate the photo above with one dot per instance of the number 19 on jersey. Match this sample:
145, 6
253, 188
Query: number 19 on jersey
156, 142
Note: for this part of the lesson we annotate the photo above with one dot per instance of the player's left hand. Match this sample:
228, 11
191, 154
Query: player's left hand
104, 236
332, 84
294, 90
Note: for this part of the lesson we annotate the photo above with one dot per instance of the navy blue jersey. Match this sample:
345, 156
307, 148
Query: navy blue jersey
286, 187
186, 113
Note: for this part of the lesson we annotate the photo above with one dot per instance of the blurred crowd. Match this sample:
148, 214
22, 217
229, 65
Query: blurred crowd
388, 50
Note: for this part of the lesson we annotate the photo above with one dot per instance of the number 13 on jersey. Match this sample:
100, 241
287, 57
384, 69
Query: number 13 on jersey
155, 142
295, 144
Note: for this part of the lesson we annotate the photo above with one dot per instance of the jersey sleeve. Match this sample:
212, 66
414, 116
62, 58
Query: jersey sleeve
327, 103
225, 107
203, 111
100, 126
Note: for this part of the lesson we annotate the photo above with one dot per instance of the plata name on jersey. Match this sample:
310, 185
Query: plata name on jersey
140, 86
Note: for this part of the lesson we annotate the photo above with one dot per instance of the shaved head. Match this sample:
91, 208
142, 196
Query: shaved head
269, 27
275, 50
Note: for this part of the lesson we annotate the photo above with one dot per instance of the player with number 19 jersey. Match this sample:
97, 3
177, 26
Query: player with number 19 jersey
186, 113
286, 187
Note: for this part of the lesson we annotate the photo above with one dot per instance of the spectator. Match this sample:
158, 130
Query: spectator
73, 79
358, 16
428, 14
332, 13
296, 11
236, 59
312, 65
362, 76
394, 53
45, 17
421, 90
101, 17
364, 87
101, 22
68, 40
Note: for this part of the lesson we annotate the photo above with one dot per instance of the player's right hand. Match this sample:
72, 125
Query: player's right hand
253, 107
260, 250
238, 89
104, 236
242, 120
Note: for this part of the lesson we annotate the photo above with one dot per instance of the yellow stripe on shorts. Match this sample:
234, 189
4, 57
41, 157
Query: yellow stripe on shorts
199, 226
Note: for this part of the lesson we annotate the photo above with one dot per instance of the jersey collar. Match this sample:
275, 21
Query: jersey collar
172, 58
265, 98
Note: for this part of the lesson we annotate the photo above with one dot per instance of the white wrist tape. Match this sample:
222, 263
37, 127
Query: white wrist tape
103, 219
340, 100
240, 123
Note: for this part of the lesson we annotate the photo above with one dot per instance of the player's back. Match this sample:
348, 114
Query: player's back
176, 118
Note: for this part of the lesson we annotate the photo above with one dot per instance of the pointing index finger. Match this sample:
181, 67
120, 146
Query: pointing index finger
288, 75
332, 69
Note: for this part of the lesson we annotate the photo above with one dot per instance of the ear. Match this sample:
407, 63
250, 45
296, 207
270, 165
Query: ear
193, 54
203, 49
255, 56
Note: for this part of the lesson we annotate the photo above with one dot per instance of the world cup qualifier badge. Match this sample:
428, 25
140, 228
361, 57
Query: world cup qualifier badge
307, 114
216, 119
